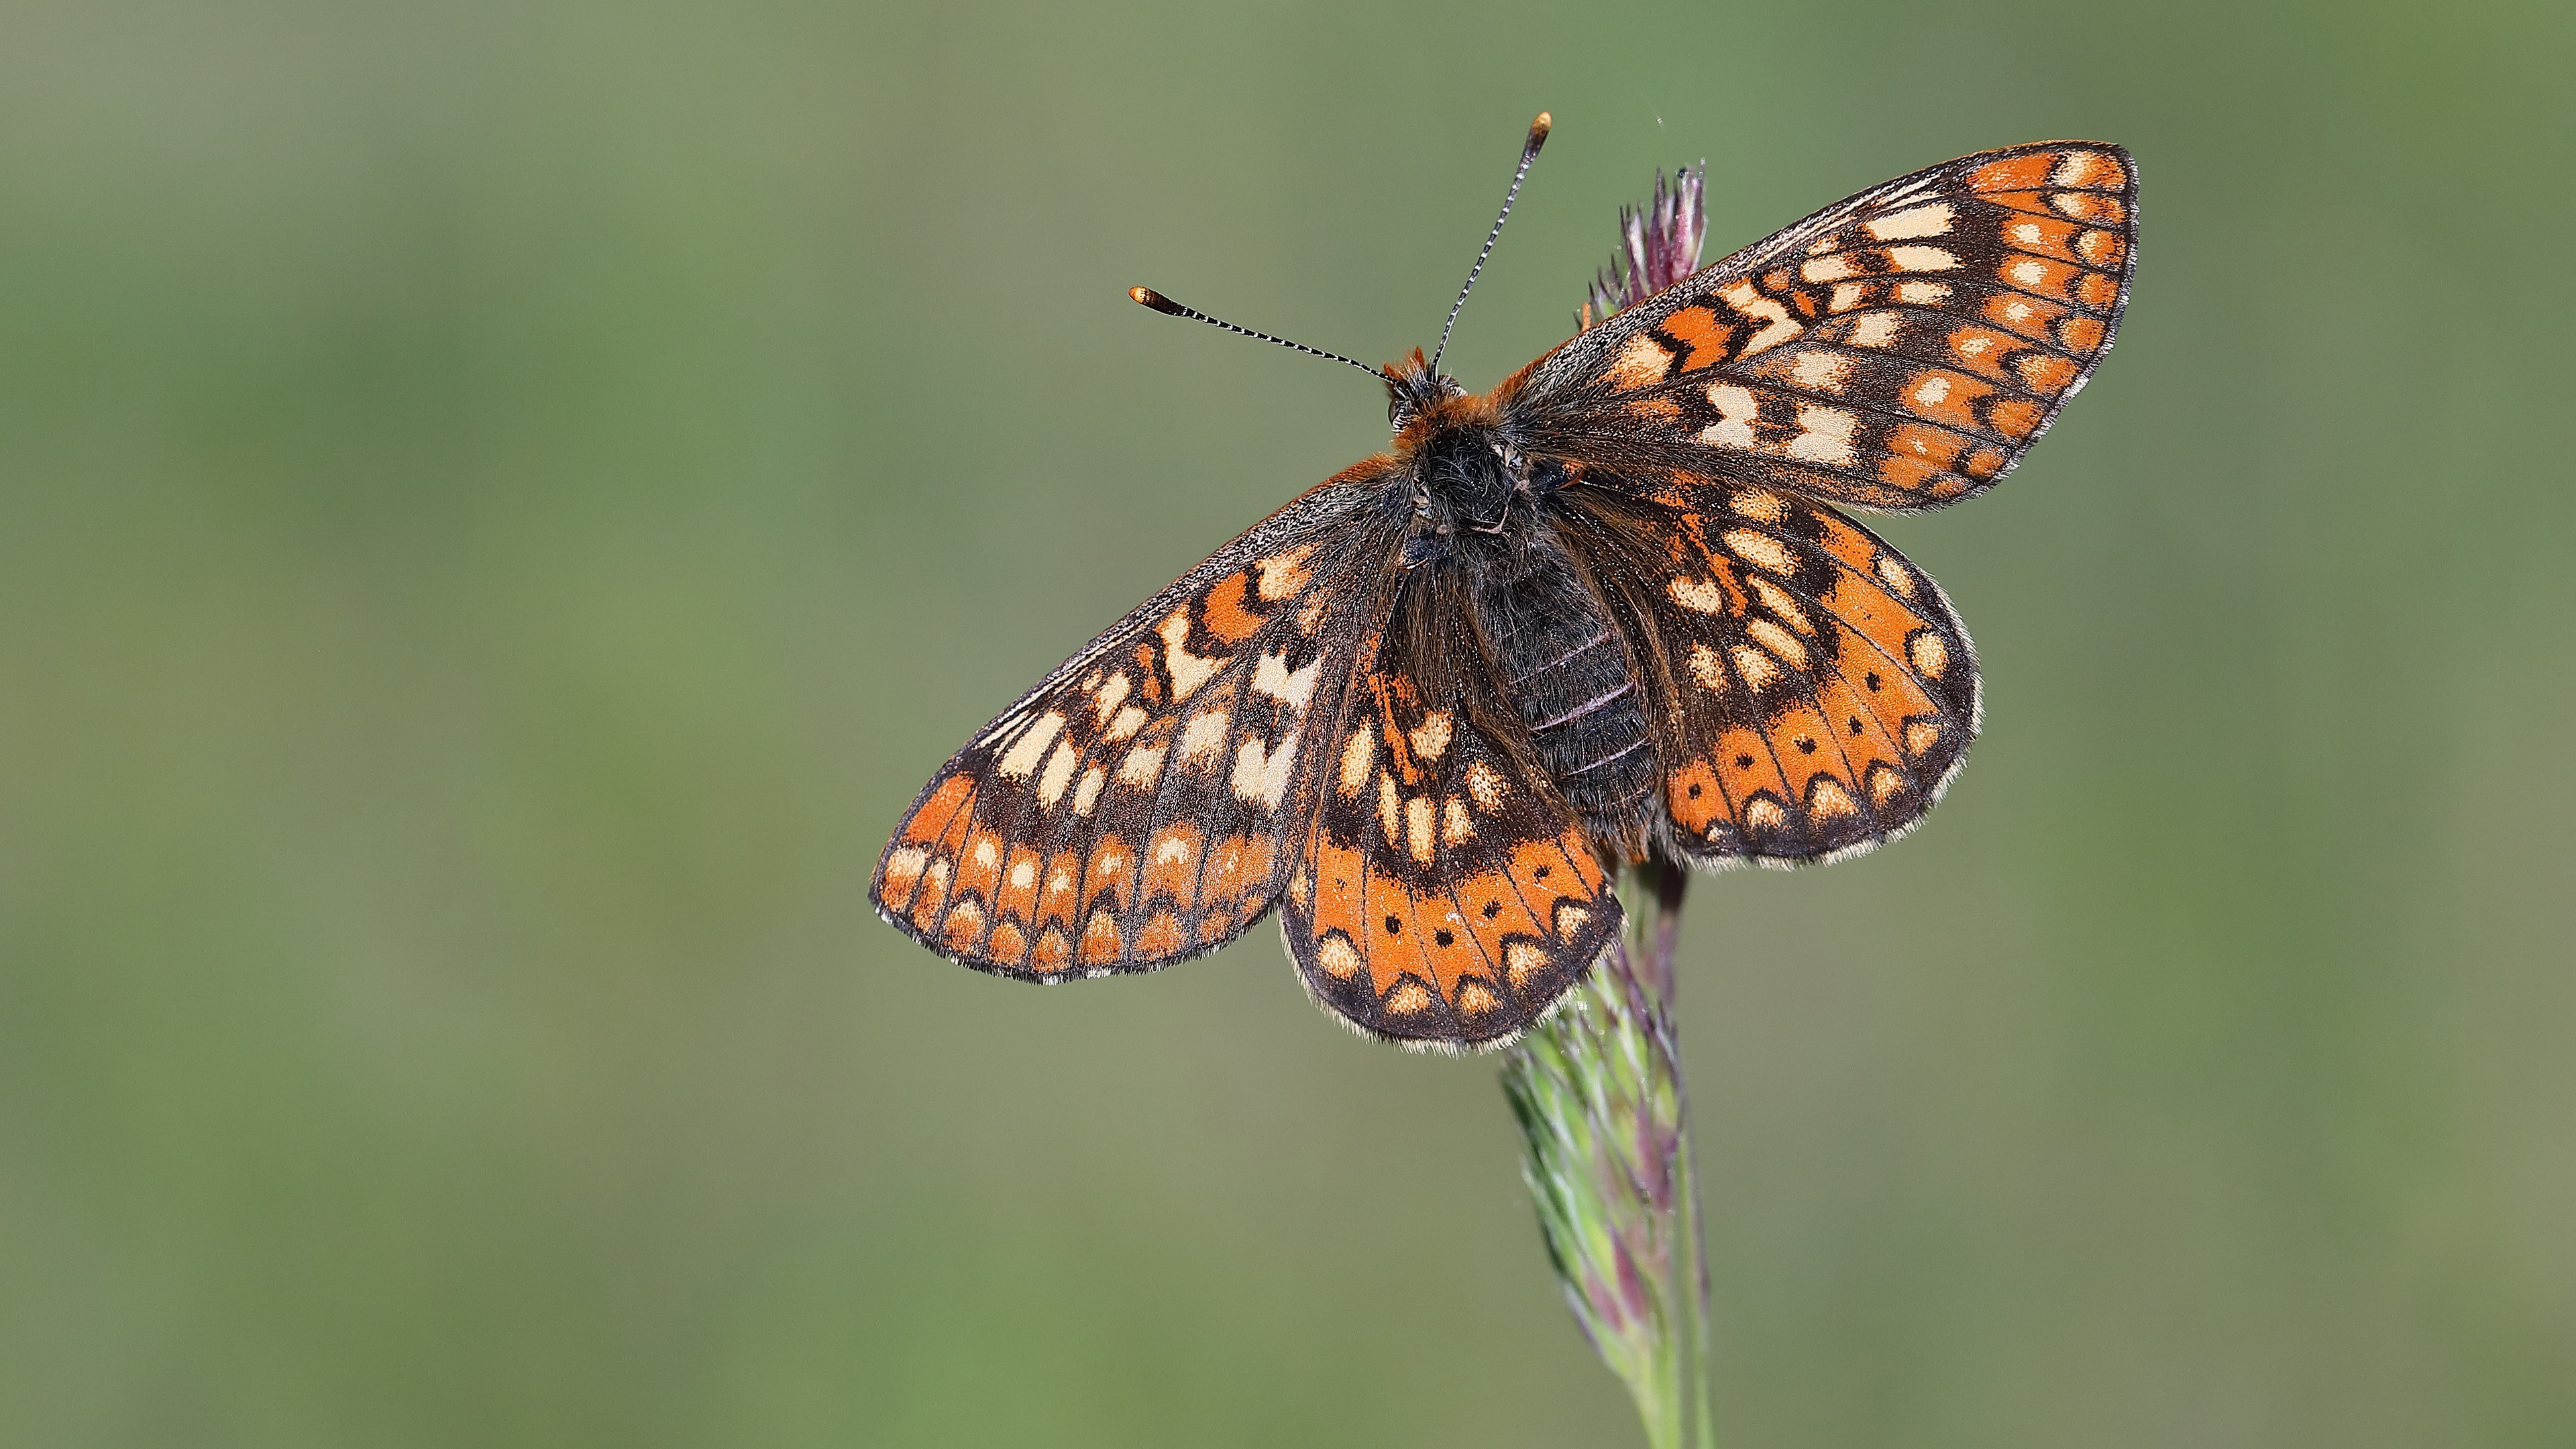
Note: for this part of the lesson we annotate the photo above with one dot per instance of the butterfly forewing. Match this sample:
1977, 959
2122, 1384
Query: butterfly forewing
1127, 812
1817, 691
1443, 893
1900, 350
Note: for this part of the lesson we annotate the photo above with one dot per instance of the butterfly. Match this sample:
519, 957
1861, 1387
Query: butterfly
1614, 607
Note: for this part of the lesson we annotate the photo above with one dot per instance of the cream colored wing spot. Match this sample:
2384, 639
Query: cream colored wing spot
1641, 363
1920, 736
1124, 727
1749, 301
1779, 641
1932, 220
1931, 390
904, 866
1929, 654
1755, 666
1059, 773
1922, 259
1430, 739
2080, 168
1759, 549
1021, 760
1359, 752
1291, 688
1474, 999
1284, 575
1699, 595
1521, 961
1455, 828
1827, 269
1736, 411
1826, 797
1338, 957
1759, 504
1487, 784
1111, 693
1418, 828
1764, 813
1896, 576
1825, 436
1408, 999
1261, 777
1822, 371
1876, 329
1778, 601
1705, 668
1188, 670
1204, 736
1143, 766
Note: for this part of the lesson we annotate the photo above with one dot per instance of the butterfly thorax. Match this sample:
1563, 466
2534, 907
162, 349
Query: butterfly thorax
1459, 468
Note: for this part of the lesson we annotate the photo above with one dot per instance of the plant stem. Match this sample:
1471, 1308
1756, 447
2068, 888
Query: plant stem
1606, 1126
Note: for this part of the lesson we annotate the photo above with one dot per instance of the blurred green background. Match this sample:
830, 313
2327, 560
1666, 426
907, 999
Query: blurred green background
500, 507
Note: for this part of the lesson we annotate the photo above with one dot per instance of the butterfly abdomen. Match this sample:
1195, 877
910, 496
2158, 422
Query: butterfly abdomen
1566, 670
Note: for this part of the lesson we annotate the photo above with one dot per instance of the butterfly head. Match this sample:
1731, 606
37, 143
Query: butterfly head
1413, 389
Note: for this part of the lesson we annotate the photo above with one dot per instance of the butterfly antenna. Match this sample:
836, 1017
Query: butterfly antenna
1169, 308
1529, 152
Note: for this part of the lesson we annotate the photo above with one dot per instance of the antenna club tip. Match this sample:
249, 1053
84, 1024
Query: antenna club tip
1539, 129
1147, 296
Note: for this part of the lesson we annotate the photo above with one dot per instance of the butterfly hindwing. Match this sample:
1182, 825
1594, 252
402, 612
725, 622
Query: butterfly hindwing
1443, 895
1128, 812
1899, 350
1815, 691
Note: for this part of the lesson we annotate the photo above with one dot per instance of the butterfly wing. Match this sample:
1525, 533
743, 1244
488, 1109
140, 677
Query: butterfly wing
1128, 811
1899, 350
1811, 692
1443, 895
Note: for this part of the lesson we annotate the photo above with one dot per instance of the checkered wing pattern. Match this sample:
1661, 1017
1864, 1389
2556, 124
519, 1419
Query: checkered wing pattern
1128, 812
1812, 690
1900, 350
1443, 894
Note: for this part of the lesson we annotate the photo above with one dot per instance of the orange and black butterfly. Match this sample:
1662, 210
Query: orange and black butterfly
1612, 608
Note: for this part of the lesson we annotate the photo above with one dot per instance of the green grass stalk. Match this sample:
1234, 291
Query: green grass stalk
1605, 1125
